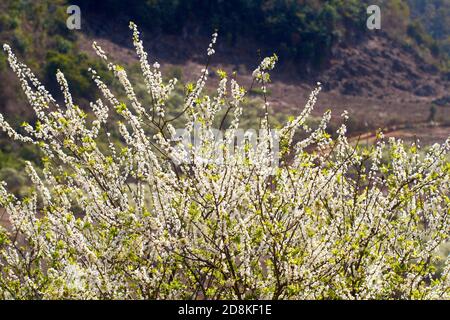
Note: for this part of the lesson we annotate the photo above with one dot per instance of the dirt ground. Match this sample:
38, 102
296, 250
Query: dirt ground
378, 83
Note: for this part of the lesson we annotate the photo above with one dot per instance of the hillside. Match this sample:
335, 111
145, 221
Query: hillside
396, 76
375, 80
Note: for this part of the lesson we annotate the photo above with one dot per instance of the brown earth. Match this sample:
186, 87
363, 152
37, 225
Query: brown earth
379, 82
422, 133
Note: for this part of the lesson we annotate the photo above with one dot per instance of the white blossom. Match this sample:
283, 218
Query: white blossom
157, 215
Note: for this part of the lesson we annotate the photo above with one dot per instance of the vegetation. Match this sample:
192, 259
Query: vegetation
38, 32
159, 213
433, 20
317, 26
37, 29
304, 30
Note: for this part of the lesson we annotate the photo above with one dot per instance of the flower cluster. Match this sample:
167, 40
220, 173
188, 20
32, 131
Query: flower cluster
211, 50
261, 73
123, 220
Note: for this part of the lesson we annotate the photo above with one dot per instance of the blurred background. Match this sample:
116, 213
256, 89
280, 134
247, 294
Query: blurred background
396, 78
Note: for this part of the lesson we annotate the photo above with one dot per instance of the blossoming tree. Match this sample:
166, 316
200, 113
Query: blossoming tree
150, 217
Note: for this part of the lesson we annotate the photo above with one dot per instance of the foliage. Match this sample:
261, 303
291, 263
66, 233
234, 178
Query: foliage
434, 15
150, 218
304, 30
37, 30
431, 26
